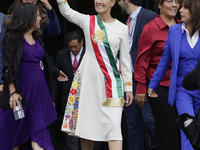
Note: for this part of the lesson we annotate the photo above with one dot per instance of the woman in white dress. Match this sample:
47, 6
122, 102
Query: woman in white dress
95, 101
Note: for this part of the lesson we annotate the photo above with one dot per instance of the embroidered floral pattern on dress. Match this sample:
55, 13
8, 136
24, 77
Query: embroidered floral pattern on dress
128, 83
62, 3
71, 110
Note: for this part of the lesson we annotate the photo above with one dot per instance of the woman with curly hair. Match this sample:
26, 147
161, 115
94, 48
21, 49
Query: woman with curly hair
27, 75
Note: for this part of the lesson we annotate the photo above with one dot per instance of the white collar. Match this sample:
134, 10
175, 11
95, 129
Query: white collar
135, 13
186, 30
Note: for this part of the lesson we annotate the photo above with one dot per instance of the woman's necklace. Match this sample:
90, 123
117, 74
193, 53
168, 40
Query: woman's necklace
31, 43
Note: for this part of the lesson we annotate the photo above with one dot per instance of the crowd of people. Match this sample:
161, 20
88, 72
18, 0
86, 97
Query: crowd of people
147, 67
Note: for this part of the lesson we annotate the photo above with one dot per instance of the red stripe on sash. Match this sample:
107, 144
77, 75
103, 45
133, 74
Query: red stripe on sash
101, 63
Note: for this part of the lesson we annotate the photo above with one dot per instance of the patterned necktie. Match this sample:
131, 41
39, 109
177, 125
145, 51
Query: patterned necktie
75, 64
128, 24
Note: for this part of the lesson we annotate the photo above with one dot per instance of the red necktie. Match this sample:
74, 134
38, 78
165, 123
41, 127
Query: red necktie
128, 24
75, 64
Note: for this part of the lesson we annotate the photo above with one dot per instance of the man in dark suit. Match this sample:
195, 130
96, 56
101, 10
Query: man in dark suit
68, 61
137, 118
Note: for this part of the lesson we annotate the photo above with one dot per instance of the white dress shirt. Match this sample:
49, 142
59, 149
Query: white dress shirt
192, 41
132, 30
78, 56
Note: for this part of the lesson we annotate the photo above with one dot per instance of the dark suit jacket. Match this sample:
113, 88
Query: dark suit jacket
12, 52
143, 18
61, 89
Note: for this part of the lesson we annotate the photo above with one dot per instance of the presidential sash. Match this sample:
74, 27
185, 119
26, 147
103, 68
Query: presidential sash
107, 63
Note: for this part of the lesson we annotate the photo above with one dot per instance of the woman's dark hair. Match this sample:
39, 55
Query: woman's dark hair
21, 19
193, 7
40, 7
156, 8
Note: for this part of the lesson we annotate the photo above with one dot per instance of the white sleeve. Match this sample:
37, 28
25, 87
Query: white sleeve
125, 61
72, 15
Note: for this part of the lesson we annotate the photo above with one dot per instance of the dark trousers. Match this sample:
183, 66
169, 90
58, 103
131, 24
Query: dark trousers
167, 131
138, 119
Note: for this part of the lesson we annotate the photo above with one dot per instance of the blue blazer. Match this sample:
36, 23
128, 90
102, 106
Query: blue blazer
171, 52
143, 18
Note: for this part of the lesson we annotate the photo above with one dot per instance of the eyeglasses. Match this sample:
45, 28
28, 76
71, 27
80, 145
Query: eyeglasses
172, 1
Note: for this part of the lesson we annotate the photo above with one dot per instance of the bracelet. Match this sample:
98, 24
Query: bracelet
62, 3
13, 93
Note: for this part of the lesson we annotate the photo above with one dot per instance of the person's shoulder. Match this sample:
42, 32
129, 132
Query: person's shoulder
148, 12
176, 26
151, 24
2, 15
146, 15
11, 36
11, 40
120, 24
63, 52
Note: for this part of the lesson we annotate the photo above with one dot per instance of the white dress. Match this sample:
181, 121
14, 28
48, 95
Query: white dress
85, 116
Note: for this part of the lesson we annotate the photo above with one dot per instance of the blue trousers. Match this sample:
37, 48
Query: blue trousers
138, 118
187, 102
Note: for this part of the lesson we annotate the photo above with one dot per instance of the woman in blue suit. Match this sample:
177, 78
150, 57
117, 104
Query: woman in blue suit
182, 47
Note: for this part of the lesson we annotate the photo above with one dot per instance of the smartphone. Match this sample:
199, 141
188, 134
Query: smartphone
18, 112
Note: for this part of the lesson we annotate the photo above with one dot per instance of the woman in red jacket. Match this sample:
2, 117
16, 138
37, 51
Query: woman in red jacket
150, 49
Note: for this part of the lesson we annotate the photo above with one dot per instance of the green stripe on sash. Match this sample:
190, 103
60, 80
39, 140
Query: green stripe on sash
111, 58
